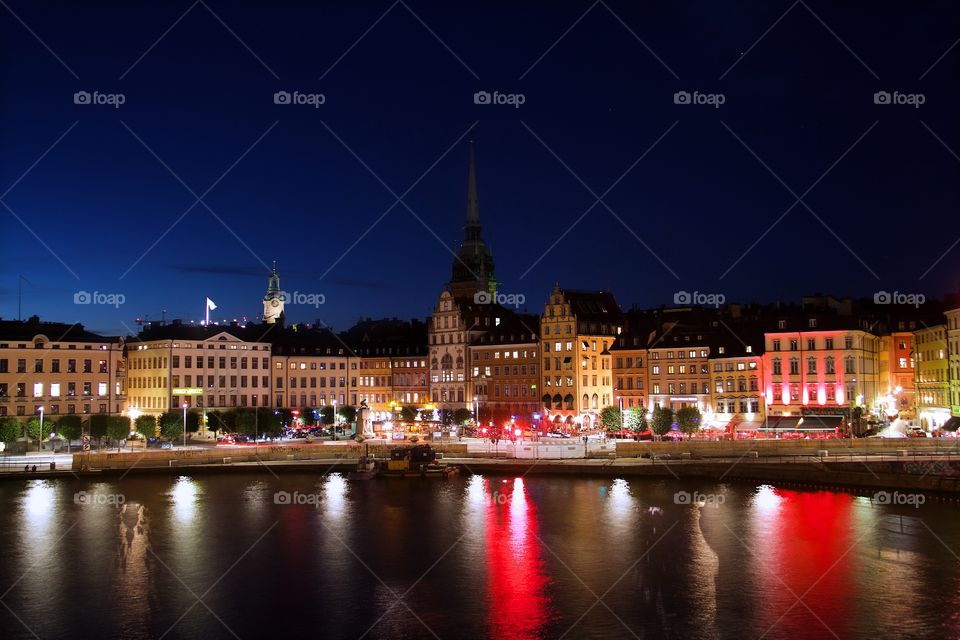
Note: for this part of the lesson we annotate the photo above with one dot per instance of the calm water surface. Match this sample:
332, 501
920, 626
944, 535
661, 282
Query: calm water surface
216, 556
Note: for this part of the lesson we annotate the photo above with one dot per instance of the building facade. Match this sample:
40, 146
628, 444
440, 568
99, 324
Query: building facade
932, 381
816, 370
897, 373
59, 368
630, 374
577, 330
678, 363
953, 364
504, 368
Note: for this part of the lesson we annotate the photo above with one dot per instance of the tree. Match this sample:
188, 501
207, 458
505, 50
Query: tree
408, 413
171, 425
98, 425
308, 416
611, 419
10, 429
326, 414
636, 420
446, 416
70, 427
688, 419
118, 428
269, 422
33, 428
348, 413
462, 415
145, 424
662, 421
193, 421
246, 422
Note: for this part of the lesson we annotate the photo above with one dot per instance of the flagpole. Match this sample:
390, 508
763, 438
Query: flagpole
206, 306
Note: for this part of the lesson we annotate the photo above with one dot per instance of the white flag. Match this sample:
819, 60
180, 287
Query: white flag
210, 305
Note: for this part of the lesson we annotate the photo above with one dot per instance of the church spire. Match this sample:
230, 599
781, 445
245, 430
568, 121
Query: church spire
473, 203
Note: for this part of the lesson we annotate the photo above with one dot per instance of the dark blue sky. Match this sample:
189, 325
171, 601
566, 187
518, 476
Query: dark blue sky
800, 97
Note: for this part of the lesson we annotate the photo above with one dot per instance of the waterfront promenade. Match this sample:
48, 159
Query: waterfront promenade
931, 465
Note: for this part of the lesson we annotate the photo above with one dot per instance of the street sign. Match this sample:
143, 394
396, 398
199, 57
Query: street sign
85, 442
188, 391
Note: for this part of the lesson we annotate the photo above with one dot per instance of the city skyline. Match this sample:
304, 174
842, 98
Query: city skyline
799, 156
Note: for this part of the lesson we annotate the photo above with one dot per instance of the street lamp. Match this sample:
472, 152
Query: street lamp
334, 416
184, 425
40, 440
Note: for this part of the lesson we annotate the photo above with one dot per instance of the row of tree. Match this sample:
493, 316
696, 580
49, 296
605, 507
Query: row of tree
688, 420
69, 427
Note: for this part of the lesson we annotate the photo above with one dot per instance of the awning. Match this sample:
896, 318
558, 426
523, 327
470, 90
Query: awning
783, 422
749, 426
817, 423
953, 424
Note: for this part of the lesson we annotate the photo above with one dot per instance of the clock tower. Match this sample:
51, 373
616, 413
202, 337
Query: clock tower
274, 298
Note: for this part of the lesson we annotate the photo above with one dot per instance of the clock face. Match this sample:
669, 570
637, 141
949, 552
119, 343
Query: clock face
275, 303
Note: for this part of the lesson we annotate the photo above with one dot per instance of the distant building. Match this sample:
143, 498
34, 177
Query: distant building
577, 330
274, 299
932, 381
630, 370
678, 366
504, 368
953, 366
820, 365
62, 368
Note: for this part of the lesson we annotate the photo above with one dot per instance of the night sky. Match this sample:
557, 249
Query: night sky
687, 189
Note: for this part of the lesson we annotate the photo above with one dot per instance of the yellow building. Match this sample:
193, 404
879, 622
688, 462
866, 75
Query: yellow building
577, 330
60, 368
932, 382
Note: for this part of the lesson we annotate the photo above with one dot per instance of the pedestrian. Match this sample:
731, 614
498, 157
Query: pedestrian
26, 467
34, 469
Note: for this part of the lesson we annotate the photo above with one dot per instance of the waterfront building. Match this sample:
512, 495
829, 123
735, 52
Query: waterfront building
897, 367
953, 366
62, 368
678, 368
198, 367
504, 368
820, 365
630, 373
577, 330
736, 379
932, 381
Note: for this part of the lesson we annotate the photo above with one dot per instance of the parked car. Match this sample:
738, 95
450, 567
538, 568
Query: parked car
166, 445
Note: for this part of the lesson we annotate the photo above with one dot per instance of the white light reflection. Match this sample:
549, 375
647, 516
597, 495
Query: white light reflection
38, 503
184, 496
335, 495
766, 500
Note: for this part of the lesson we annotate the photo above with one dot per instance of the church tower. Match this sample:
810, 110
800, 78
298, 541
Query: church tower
473, 268
274, 298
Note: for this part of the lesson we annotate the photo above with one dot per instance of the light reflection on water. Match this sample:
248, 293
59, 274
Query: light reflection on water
476, 557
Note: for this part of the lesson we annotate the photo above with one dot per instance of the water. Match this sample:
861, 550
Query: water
214, 556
